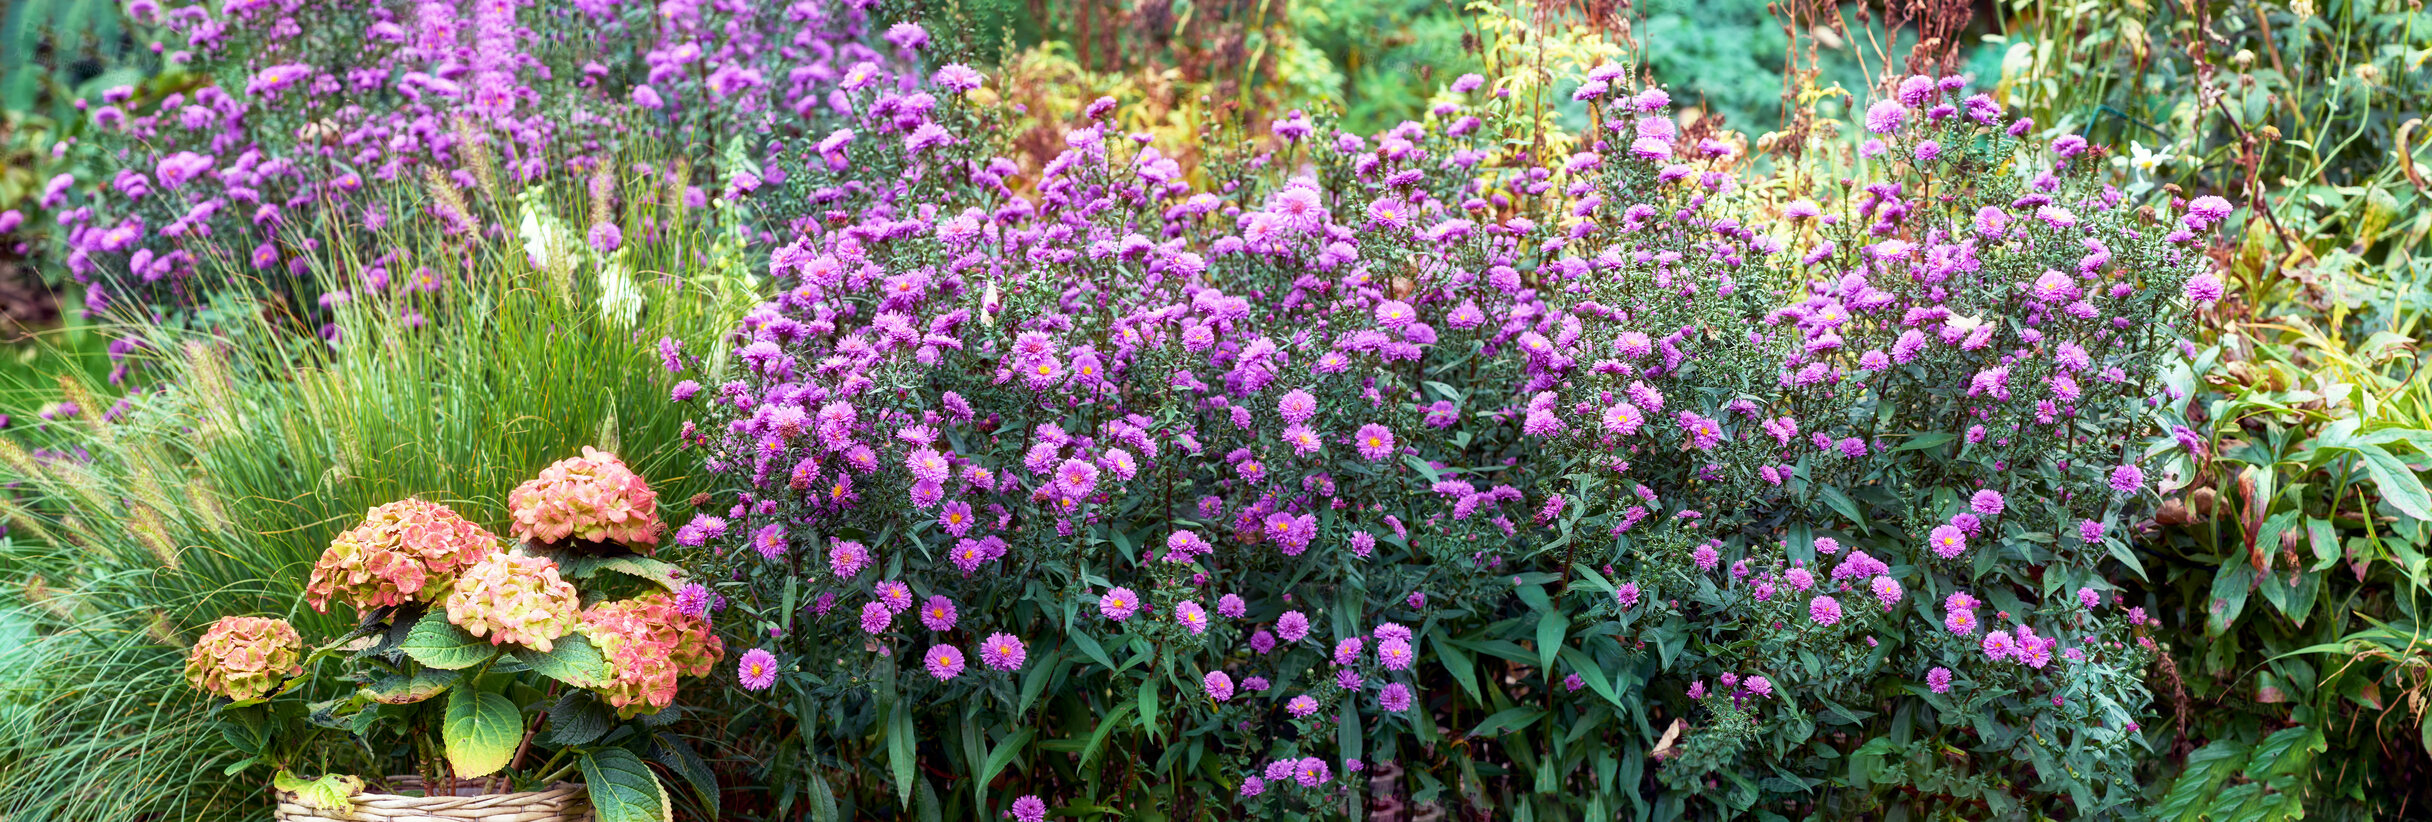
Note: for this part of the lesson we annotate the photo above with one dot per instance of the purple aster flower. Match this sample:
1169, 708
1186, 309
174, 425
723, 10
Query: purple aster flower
1706, 557
1887, 591
1029, 809
1375, 442
692, 600
2127, 479
1119, 604
875, 617
1886, 117
895, 595
605, 237
1758, 685
1231, 606
957, 78
846, 558
757, 670
1626, 595
1312, 772
1939, 679
943, 661
1347, 651
1824, 610
1947, 541
1219, 685
1987, 502
2088, 598
1395, 697
1003, 652
1252, 786
2000, 645
1301, 706
1293, 626
938, 613
769, 541
1960, 621
1190, 616
2204, 288
1395, 655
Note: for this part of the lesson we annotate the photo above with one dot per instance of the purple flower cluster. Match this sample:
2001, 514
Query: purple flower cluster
1381, 359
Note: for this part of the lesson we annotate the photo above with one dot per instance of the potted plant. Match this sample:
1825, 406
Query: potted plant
527, 680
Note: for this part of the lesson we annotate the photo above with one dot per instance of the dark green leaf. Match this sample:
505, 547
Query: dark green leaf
622, 787
578, 718
900, 746
440, 644
672, 751
572, 660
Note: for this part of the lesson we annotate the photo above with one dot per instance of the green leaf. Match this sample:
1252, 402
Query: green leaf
1508, 719
1550, 630
2229, 589
2325, 541
672, 751
1148, 707
900, 747
1089, 647
1097, 738
927, 808
1457, 662
331, 792
1925, 441
823, 800
622, 787
2191, 795
402, 690
999, 757
438, 643
481, 730
572, 660
1048, 666
580, 565
2289, 751
1842, 504
2398, 484
578, 718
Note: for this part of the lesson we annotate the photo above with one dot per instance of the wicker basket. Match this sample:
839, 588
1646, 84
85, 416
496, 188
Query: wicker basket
562, 802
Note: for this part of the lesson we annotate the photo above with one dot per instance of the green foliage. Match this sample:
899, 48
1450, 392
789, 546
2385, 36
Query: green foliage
2288, 558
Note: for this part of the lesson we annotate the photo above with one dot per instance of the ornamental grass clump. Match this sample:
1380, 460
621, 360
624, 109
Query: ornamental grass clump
1643, 474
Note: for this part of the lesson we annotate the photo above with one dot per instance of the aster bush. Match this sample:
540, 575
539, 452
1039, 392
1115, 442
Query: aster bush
1656, 485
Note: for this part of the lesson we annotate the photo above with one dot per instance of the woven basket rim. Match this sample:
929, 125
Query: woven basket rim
400, 781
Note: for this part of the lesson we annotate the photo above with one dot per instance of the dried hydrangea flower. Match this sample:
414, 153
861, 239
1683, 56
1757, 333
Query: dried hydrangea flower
245, 658
590, 498
514, 599
404, 551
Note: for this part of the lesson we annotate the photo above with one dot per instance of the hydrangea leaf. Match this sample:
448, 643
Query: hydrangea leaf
572, 660
622, 787
481, 730
578, 718
440, 644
